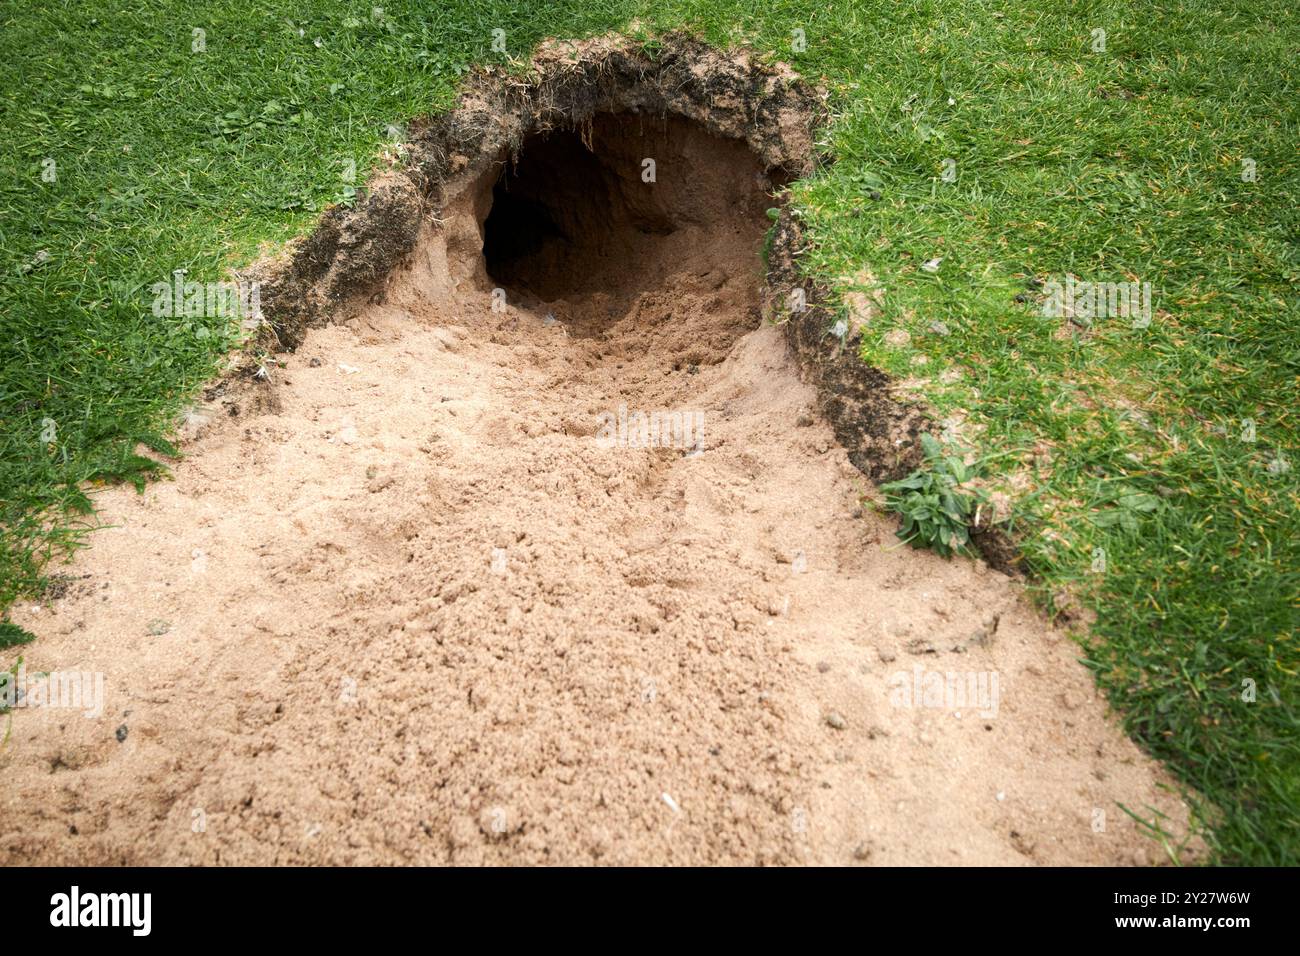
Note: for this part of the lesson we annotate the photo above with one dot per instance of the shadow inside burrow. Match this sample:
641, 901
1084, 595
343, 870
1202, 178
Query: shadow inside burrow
583, 221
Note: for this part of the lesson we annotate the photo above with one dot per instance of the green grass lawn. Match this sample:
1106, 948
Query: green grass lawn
995, 137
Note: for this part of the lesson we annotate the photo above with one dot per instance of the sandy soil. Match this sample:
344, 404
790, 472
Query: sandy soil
403, 604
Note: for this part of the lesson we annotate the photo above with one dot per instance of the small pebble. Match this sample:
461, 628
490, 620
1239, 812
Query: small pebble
835, 720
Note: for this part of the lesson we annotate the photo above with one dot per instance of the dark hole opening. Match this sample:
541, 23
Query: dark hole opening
613, 209
538, 217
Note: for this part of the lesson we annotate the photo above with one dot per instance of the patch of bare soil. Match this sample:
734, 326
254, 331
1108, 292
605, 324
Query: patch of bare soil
431, 595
